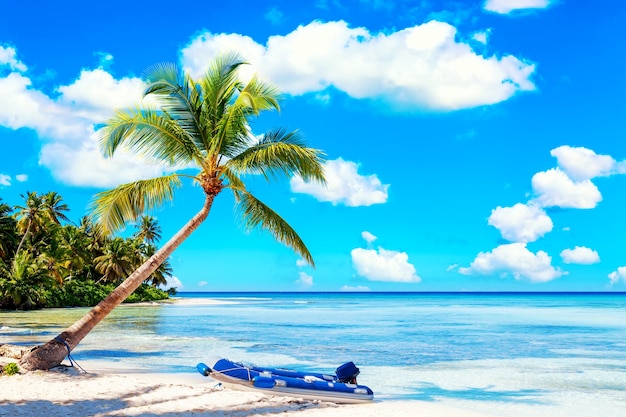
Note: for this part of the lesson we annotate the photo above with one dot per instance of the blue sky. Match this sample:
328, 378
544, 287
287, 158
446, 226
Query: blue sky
471, 145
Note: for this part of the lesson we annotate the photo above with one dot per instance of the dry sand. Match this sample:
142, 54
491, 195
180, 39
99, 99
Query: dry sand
111, 391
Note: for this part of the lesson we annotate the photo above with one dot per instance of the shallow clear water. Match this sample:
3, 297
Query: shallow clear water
547, 353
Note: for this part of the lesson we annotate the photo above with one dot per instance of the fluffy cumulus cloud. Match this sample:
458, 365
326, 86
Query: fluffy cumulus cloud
508, 6
66, 123
582, 164
384, 265
521, 223
344, 185
8, 57
514, 259
569, 185
305, 280
423, 67
553, 188
580, 255
617, 276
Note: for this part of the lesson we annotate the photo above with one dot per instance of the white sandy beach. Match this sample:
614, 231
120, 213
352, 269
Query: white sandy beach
120, 392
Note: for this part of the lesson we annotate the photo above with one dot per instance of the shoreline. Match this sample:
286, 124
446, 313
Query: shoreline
112, 390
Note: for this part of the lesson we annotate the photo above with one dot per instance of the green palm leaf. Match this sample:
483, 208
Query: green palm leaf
114, 208
280, 153
255, 213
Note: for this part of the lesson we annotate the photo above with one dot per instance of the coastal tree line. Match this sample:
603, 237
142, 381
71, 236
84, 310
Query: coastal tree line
46, 260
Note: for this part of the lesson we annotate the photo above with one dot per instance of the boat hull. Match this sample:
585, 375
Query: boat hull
279, 382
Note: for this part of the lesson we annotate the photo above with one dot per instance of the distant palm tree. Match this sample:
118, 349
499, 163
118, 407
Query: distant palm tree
8, 231
117, 261
54, 208
148, 229
24, 281
202, 123
37, 211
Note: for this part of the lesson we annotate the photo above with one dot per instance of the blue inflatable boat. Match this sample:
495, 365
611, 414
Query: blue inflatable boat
340, 388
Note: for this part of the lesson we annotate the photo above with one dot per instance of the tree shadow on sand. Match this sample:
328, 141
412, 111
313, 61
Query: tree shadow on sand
117, 406
114, 407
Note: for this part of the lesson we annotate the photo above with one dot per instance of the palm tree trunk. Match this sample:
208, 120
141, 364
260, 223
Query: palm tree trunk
23, 239
52, 353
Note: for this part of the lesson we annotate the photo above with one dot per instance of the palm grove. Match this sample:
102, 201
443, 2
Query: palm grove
203, 126
46, 261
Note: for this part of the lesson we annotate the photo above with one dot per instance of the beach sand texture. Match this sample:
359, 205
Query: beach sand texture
64, 392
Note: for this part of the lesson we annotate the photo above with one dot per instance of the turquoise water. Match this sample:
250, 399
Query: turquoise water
560, 352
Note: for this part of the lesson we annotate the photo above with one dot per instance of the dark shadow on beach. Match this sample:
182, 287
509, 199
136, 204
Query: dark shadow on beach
113, 406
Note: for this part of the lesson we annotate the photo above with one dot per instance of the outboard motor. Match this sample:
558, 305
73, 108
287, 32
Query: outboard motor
347, 373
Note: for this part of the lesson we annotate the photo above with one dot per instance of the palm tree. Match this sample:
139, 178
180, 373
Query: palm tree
54, 208
201, 123
8, 231
37, 211
117, 260
148, 230
25, 281
30, 216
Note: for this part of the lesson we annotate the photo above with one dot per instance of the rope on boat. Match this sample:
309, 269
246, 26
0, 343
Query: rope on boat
223, 371
73, 362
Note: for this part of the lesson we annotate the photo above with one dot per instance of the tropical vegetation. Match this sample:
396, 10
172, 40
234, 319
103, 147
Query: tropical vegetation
199, 129
47, 261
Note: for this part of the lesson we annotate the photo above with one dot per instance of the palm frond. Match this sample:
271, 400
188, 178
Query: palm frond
255, 213
112, 209
178, 97
234, 183
280, 153
149, 133
260, 95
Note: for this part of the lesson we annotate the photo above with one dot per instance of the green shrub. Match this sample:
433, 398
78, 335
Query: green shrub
11, 368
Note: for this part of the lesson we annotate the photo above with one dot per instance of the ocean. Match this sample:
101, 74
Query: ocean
510, 354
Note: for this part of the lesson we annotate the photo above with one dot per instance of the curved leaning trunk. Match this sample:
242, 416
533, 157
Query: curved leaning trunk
52, 353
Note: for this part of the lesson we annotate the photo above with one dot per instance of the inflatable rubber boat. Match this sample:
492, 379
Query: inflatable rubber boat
340, 388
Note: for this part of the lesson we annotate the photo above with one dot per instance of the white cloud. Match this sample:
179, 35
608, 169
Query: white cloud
553, 188
96, 93
173, 282
21, 177
344, 185
202, 284
301, 263
66, 125
514, 259
481, 37
369, 238
508, 6
422, 67
580, 255
521, 223
384, 265
584, 164
452, 267
5, 180
305, 280
8, 57
617, 276
358, 288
